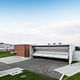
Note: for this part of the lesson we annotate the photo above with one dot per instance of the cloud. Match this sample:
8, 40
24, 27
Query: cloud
64, 28
41, 32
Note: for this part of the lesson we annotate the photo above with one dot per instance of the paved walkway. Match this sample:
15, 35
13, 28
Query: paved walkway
13, 59
69, 70
37, 65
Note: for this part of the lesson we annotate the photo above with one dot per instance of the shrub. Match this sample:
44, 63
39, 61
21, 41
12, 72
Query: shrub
77, 48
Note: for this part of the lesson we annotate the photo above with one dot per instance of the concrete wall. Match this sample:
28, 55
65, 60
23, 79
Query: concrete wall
76, 56
53, 48
71, 52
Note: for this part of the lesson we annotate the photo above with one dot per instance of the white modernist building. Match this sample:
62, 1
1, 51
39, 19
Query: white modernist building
53, 51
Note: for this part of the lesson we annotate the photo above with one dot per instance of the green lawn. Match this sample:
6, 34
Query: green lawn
73, 62
5, 54
28, 76
74, 77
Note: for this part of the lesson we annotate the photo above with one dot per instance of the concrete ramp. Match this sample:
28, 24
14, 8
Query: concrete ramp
69, 70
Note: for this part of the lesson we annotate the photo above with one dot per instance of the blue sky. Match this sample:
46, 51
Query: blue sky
40, 21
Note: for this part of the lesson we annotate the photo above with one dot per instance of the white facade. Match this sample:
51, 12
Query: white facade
76, 56
71, 52
58, 51
54, 51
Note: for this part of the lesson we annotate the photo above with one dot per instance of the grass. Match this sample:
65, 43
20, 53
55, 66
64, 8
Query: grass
74, 77
5, 54
77, 48
29, 76
74, 62
64, 77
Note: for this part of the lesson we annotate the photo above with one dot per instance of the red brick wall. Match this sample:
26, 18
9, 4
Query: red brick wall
27, 50
22, 50
12, 51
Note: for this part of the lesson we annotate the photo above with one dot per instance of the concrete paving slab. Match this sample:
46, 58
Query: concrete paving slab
69, 70
2, 64
12, 59
12, 71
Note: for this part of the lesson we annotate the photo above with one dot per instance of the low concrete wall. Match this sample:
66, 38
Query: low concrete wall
76, 56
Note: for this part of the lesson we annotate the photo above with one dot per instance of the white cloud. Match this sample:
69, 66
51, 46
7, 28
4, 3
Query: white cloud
38, 32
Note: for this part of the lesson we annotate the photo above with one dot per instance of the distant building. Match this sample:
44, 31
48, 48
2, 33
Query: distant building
5, 46
60, 43
54, 43
49, 44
